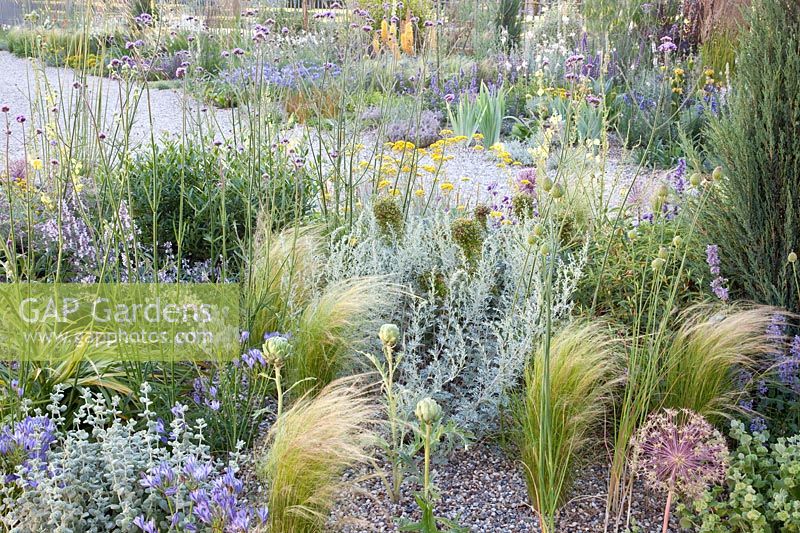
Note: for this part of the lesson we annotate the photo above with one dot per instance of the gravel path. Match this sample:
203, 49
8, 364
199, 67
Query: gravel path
20, 78
483, 489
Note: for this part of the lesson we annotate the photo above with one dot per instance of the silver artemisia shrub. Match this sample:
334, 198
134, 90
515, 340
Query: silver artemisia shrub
468, 324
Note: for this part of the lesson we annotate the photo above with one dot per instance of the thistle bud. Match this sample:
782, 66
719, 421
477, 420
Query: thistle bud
695, 179
663, 191
716, 175
557, 192
792, 257
389, 333
662, 253
538, 230
677, 241
657, 264
547, 184
428, 411
545, 249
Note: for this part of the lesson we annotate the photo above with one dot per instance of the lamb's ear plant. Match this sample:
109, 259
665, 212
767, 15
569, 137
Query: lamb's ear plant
309, 447
584, 369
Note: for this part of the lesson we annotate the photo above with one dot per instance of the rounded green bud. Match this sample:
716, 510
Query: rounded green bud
547, 184
428, 411
716, 175
792, 257
696, 179
662, 253
663, 191
557, 192
538, 230
657, 263
677, 241
544, 249
389, 333
277, 348
632, 234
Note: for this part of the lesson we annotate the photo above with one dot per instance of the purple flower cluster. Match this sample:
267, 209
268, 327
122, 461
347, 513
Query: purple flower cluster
718, 283
291, 76
217, 498
27, 440
679, 452
667, 45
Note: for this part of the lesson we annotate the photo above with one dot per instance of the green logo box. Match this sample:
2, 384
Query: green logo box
118, 321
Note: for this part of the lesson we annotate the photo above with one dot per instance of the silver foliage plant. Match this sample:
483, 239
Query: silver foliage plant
108, 473
468, 326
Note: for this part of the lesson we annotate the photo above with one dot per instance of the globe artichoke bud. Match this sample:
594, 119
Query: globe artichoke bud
277, 349
389, 333
792, 257
428, 411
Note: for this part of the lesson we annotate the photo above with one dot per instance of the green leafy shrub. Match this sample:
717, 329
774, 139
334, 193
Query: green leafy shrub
205, 201
619, 259
756, 214
761, 493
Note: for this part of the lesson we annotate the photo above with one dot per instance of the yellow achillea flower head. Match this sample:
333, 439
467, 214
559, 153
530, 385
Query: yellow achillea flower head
446, 186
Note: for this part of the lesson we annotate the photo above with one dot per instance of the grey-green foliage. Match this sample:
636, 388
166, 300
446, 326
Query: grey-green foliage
756, 215
762, 491
468, 324
91, 479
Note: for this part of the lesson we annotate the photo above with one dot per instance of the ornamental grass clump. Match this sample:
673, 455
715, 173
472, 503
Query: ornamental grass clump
703, 361
680, 453
583, 370
326, 320
309, 447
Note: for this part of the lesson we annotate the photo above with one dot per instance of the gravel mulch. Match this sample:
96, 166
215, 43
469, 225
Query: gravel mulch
484, 490
166, 107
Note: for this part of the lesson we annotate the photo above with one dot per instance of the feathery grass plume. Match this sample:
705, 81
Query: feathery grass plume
701, 363
584, 369
330, 327
279, 275
309, 447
